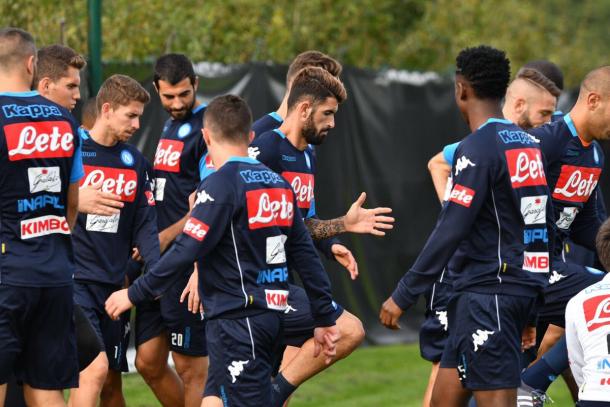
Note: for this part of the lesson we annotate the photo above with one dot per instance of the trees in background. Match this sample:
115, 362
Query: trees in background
408, 34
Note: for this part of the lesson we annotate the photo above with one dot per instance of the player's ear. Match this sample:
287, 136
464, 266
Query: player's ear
519, 106
206, 136
196, 84
593, 100
106, 108
31, 64
304, 109
250, 137
43, 85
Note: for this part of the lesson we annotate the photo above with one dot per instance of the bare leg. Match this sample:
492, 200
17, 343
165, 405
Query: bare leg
43, 398
448, 390
193, 370
151, 363
552, 335
90, 382
211, 401
112, 392
496, 398
2, 394
571, 383
431, 380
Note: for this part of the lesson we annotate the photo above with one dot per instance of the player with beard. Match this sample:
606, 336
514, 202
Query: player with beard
314, 99
168, 324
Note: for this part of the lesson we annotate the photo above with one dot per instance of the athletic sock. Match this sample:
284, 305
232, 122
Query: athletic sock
281, 389
544, 372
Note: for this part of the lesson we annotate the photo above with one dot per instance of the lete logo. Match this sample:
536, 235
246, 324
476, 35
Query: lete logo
269, 207
462, 195
303, 185
52, 139
167, 156
525, 167
123, 182
597, 311
196, 229
575, 184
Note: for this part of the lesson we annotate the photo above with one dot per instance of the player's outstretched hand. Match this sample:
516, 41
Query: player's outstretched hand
361, 220
528, 337
325, 340
94, 201
390, 314
117, 303
191, 290
345, 258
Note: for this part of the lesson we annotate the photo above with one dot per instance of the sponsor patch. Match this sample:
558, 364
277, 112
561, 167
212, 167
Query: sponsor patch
276, 253
44, 179
533, 209
576, 184
525, 167
269, 207
106, 224
119, 181
159, 187
196, 229
167, 156
536, 262
566, 217
597, 312
277, 299
462, 195
44, 225
29, 140
303, 186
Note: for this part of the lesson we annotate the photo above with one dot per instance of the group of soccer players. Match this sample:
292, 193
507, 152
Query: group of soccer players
219, 213
205, 240
499, 268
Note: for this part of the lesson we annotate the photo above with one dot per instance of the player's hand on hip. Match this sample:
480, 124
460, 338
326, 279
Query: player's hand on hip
117, 303
373, 221
345, 258
390, 314
528, 337
325, 341
92, 200
191, 290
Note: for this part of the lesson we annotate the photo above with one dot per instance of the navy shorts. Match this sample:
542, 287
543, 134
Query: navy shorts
113, 334
241, 352
586, 403
37, 336
434, 330
484, 342
566, 280
185, 330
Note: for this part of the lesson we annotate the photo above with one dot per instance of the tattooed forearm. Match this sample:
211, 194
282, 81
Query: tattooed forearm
323, 229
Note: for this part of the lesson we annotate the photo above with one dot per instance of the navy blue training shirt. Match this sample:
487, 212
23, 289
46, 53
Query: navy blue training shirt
241, 230
268, 122
179, 160
496, 214
39, 159
103, 243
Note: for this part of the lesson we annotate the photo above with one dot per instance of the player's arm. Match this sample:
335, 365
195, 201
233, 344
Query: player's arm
76, 173
440, 170
468, 195
575, 351
356, 220
145, 233
586, 224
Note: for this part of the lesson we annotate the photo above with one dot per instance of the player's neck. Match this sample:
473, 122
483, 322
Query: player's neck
282, 111
579, 118
293, 131
221, 157
101, 135
481, 111
14, 83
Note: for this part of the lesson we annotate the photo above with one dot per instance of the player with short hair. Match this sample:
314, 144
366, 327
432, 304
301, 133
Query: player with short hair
588, 330
40, 166
492, 314
305, 59
88, 114
103, 244
179, 164
241, 211
314, 98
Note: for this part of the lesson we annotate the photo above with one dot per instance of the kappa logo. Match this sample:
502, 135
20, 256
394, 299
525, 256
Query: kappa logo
517, 137
33, 111
289, 309
462, 163
576, 184
525, 167
480, 337
462, 195
203, 197
53, 139
236, 368
253, 152
566, 217
44, 179
555, 277
597, 312
533, 209
442, 318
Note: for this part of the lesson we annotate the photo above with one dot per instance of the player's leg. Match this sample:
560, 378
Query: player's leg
112, 391
2, 393
193, 371
448, 391
496, 398
43, 398
431, 380
152, 352
90, 382
211, 401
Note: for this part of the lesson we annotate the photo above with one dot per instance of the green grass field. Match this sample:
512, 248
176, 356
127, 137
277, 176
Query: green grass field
371, 377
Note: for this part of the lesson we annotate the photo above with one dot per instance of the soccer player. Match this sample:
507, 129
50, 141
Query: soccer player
40, 166
167, 324
58, 79
241, 211
496, 285
314, 99
103, 244
587, 333
88, 114
273, 120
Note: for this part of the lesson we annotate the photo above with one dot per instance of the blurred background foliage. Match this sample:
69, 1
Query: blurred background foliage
405, 34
